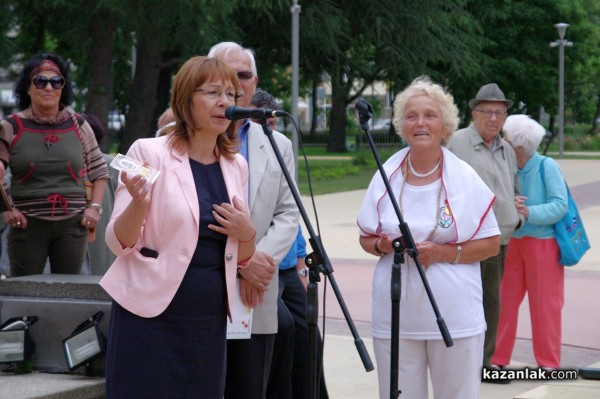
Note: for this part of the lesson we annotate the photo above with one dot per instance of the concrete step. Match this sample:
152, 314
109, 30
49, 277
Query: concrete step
61, 303
50, 386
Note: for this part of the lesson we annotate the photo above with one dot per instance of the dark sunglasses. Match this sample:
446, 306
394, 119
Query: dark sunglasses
40, 82
245, 75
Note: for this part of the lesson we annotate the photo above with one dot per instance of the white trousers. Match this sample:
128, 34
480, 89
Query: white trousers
455, 371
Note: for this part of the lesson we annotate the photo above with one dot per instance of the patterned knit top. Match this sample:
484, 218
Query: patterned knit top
49, 162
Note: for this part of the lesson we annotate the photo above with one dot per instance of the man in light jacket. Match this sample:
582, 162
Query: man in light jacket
494, 160
275, 216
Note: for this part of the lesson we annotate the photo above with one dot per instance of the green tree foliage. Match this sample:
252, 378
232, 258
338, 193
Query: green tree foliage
396, 42
583, 84
7, 32
122, 50
125, 52
165, 35
517, 54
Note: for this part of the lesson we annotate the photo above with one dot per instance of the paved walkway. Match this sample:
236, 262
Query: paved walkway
345, 374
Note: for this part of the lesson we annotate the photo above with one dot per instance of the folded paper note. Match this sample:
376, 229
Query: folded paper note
134, 167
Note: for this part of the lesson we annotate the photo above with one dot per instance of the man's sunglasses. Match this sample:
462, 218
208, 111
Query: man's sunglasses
40, 82
245, 75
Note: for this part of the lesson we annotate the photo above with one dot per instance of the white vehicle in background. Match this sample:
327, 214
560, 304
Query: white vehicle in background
116, 122
382, 124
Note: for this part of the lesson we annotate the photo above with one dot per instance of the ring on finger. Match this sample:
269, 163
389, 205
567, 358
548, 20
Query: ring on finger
18, 224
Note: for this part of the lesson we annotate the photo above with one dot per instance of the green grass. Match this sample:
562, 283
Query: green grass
320, 151
335, 172
339, 171
326, 178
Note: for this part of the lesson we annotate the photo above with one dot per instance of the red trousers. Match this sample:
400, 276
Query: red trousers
532, 266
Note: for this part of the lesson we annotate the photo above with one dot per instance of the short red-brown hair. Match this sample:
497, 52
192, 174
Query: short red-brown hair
193, 73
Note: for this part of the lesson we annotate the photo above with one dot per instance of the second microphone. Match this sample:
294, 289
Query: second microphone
235, 113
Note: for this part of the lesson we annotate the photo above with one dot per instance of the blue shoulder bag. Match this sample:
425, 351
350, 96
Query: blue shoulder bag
569, 231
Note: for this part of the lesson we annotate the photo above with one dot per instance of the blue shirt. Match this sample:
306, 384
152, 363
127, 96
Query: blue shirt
546, 200
298, 250
243, 137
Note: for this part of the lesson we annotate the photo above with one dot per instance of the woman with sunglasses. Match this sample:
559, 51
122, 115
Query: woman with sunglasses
49, 151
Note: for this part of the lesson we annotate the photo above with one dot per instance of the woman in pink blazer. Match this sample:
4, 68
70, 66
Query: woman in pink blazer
179, 243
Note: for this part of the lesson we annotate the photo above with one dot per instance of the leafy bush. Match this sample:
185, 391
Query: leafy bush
580, 129
578, 138
362, 158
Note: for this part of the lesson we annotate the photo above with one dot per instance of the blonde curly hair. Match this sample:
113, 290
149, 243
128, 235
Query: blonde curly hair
424, 86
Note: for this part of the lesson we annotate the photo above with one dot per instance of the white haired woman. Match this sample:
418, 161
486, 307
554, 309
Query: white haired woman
449, 211
532, 255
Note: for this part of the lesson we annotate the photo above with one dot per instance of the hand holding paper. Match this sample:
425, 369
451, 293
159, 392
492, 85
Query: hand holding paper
134, 167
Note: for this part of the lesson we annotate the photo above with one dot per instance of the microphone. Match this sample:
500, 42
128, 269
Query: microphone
365, 112
235, 113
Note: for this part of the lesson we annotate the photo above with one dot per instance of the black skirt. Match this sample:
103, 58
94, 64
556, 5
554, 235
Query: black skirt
182, 352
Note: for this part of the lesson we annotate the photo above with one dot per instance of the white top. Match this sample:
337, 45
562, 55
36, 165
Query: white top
456, 288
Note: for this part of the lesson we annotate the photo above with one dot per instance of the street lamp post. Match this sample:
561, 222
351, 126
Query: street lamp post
295, 10
561, 43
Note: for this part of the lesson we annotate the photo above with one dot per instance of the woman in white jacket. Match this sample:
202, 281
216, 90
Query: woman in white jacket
448, 209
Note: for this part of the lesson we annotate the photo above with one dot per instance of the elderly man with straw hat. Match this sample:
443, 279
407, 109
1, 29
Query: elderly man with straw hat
481, 146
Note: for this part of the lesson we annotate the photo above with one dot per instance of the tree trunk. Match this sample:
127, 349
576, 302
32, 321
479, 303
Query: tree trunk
163, 93
315, 108
337, 119
100, 88
140, 118
596, 117
551, 125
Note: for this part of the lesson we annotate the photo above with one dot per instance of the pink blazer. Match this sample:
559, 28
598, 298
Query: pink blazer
144, 285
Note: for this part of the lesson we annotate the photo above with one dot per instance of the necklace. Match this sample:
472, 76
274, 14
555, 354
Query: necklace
422, 175
439, 196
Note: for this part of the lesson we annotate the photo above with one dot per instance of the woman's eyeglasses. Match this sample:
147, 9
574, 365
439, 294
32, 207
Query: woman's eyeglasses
40, 82
213, 92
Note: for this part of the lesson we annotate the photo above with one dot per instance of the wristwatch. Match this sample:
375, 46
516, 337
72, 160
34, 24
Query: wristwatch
98, 207
303, 272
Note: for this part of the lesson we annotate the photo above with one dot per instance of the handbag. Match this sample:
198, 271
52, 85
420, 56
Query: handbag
87, 184
569, 231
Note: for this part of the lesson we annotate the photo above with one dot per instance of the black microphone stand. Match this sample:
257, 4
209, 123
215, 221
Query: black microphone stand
317, 262
404, 243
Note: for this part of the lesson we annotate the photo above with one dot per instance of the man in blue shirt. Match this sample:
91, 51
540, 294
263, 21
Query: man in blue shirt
289, 367
291, 353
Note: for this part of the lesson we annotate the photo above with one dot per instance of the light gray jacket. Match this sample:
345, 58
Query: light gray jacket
273, 212
498, 169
